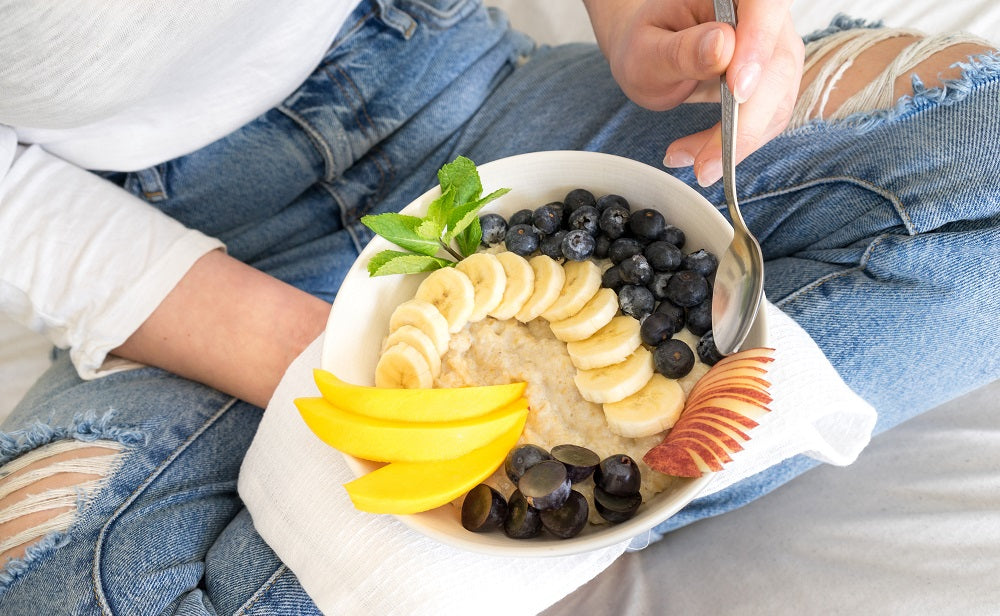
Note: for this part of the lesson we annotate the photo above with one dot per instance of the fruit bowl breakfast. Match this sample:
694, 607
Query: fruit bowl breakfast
537, 376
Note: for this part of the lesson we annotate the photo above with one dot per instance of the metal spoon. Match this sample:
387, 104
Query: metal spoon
739, 281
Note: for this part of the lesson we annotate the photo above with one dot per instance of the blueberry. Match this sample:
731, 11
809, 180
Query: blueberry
623, 248
586, 218
602, 243
663, 256
699, 318
494, 228
707, 351
701, 261
612, 278
647, 224
673, 358
607, 201
658, 285
656, 329
578, 245
521, 217
635, 300
614, 221
547, 219
579, 197
483, 509
551, 245
687, 288
522, 239
522, 521
674, 312
618, 475
636, 270
674, 235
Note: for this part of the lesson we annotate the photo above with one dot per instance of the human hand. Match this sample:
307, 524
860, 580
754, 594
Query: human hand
666, 52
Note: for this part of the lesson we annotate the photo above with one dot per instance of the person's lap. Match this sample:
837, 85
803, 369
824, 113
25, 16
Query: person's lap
859, 252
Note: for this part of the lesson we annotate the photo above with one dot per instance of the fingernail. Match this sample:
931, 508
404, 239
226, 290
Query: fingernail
678, 158
711, 46
709, 172
746, 82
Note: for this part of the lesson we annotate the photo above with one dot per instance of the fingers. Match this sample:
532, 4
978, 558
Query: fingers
761, 117
758, 35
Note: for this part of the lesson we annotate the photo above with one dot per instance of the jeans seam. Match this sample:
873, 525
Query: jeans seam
815, 284
99, 595
897, 203
259, 593
314, 135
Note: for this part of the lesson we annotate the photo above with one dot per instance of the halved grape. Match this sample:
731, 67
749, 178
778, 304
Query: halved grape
545, 485
521, 458
615, 508
580, 462
522, 521
483, 509
618, 474
568, 520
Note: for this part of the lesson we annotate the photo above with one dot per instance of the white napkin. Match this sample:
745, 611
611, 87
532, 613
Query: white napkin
355, 563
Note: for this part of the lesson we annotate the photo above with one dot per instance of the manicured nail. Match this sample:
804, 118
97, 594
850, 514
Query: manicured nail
711, 46
679, 158
746, 82
709, 172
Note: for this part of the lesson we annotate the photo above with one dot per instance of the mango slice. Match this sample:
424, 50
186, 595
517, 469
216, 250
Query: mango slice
382, 440
444, 404
412, 487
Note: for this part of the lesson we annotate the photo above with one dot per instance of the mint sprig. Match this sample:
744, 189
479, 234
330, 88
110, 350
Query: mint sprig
451, 224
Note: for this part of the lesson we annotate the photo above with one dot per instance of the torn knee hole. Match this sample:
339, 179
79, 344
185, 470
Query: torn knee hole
40, 491
867, 70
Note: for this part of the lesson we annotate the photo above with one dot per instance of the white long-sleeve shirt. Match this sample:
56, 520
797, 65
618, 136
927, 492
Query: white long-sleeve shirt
123, 85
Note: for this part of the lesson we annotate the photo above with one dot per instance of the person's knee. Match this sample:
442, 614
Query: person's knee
41, 491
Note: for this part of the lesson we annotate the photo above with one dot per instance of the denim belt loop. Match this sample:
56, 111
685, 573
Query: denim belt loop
148, 184
396, 18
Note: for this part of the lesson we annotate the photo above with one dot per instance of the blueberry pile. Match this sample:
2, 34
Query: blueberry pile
658, 283
547, 498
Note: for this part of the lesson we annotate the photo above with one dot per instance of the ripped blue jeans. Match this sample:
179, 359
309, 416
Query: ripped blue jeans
881, 234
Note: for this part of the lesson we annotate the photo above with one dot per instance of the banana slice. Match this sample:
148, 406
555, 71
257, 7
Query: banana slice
583, 280
488, 279
520, 285
549, 279
403, 367
594, 315
610, 345
425, 317
617, 381
417, 339
452, 293
651, 410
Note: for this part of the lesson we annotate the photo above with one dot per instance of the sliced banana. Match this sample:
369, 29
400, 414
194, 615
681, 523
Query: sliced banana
609, 345
424, 316
520, 285
651, 410
403, 367
583, 280
451, 292
617, 381
594, 315
549, 279
488, 280
417, 339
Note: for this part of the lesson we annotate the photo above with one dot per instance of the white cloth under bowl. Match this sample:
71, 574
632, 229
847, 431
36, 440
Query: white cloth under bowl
356, 563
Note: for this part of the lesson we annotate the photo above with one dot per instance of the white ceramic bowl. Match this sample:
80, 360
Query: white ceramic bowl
359, 318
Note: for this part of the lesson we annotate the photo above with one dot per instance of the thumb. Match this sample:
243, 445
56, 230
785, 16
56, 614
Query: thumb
696, 53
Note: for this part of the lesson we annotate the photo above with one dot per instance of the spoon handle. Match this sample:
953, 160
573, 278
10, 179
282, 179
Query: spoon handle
725, 12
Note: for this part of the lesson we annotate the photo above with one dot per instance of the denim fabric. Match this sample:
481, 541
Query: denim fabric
881, 234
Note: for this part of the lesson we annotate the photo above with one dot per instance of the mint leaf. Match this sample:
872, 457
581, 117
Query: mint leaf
463, 216
390, 262
401, 230
462, 177
468, 240
436, 219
